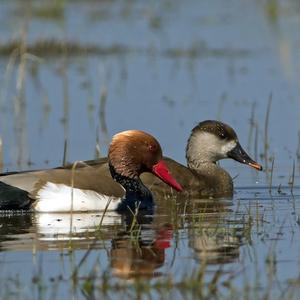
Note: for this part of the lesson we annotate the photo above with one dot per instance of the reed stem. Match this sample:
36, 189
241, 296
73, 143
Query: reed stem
266, 132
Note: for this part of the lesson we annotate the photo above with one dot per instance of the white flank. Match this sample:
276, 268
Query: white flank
62, 198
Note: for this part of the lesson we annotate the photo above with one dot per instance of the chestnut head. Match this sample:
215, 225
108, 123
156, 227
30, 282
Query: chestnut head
133, 152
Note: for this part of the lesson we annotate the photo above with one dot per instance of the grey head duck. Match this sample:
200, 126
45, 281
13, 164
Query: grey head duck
209, 142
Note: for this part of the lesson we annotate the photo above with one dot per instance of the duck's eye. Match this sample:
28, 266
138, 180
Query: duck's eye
223, 136
152, 147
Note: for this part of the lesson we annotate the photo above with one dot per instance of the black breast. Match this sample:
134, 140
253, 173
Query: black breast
137, 194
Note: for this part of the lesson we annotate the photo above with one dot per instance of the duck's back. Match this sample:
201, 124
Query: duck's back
208, 181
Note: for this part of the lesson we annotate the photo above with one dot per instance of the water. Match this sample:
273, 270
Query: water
164, 67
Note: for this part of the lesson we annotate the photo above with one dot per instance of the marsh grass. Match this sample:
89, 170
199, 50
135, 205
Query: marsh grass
98, 230
200, 49
64, 159
253, 132
42, 10
53, 10
292, 178
194, 284
252, 125
1, 155
271, 175
97, 146
55, 47
102, 114
48, 48
298, 147
203, 282
19, 101
266, 133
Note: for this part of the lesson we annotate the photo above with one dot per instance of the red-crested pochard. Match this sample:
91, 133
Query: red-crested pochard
89, 186
209, 142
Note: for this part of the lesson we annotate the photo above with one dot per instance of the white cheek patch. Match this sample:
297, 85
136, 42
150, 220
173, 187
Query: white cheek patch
62, 198
228, 147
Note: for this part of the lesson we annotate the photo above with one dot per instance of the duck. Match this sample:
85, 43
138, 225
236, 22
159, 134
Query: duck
209, 142
109, 184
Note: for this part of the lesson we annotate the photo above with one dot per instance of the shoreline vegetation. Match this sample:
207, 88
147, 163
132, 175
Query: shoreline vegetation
53, 47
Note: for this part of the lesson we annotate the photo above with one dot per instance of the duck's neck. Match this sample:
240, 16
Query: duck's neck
217, 181
209, 168
137, 194
198, 160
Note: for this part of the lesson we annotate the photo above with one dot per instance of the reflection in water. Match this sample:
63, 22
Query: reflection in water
66, 227
211, 234
137, 243
215, 245
14, 225
141, 255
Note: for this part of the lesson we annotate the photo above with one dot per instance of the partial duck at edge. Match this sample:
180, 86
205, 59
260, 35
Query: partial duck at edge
89, 186
209, 142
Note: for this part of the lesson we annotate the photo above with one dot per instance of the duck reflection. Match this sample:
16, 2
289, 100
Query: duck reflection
141, 255
215, 243
76, 226
212, 235
136, 243
15, 231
